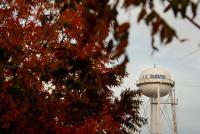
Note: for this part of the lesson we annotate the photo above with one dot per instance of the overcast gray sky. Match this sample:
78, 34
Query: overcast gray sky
182, 60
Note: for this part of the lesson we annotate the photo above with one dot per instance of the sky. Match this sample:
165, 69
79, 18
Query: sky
182, 60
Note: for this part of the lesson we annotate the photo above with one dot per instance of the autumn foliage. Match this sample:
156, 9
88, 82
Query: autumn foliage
57, 66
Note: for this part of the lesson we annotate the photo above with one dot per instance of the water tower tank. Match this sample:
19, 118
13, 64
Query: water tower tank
151, 78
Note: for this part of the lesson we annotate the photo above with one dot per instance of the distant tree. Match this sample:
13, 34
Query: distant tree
57, 65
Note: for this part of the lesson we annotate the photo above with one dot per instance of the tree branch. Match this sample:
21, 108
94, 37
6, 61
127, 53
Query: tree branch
192, 21
187, 17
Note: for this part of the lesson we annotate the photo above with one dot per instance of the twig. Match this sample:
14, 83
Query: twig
188, 18
192, 21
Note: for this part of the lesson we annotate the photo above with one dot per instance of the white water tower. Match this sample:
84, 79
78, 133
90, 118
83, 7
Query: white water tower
156, 83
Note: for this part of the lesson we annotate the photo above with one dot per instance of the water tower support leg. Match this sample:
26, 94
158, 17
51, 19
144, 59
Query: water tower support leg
155, 119
154, 116
173, 104
158, 109
155, 113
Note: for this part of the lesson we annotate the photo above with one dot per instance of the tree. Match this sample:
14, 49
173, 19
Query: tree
57, 65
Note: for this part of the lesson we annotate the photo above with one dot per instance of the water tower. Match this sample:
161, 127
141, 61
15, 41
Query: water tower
156, 83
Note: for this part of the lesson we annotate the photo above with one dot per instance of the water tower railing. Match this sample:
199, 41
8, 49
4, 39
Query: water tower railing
166, 81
